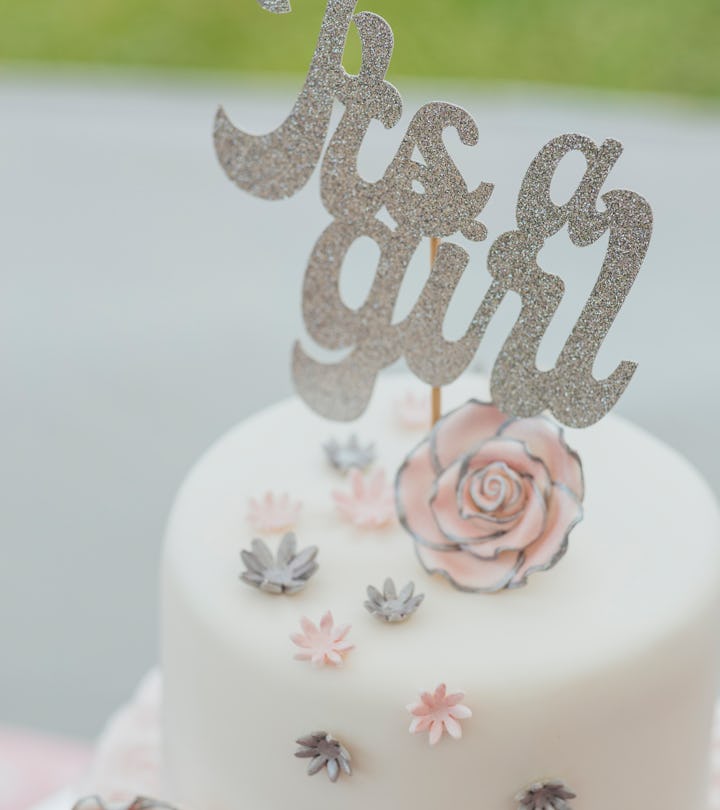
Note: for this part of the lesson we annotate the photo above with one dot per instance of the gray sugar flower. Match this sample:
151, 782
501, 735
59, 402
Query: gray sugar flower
550, 795
289, 572
344, 457
326, 752
139, 803
391, 606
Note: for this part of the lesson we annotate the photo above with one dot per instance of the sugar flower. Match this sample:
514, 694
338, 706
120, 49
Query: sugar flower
273, 513
391, 606
490, 500
550, 795
370, 502
326, 752
324, 644
139, 803
287, 572
438, 712
413, 410
351, 454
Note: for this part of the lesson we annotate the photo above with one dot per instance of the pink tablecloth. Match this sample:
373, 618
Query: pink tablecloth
32, 766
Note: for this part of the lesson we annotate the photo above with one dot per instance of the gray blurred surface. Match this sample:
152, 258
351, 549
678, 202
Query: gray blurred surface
146, 305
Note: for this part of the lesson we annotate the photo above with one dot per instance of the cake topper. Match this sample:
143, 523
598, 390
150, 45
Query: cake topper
277, 164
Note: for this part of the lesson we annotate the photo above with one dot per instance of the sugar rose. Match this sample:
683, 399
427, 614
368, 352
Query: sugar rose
489, 499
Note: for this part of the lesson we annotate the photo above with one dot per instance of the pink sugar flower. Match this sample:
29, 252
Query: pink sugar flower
322, 645
438, 712
370, 503
414, 410
273, 513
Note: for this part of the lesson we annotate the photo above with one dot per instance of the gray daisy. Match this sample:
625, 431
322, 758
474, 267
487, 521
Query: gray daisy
139, 803
344, 457
289, 572
550, 795
326, 752
391, 606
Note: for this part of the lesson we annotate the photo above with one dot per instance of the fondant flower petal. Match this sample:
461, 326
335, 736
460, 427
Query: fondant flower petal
469, 573
449, 504
413, 486
530, 528
545, 439
436, 730
564, 511
452, 727
419, 724
462, 429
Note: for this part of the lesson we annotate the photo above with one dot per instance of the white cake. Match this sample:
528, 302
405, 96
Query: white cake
601, 672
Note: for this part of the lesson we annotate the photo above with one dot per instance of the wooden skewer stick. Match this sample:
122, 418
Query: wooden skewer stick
436, 390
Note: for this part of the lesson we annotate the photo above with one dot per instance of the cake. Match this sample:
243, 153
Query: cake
595, 678
451, 602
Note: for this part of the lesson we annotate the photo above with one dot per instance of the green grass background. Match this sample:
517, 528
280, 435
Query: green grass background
670, 46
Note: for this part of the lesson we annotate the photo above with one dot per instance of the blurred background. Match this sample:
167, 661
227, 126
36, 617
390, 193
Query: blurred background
146, 304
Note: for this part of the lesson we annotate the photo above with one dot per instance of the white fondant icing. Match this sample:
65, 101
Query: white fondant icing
601, 672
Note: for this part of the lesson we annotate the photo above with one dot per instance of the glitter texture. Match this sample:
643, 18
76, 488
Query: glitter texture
428, 197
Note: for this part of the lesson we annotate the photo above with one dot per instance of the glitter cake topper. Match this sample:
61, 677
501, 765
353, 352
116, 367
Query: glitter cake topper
276, 165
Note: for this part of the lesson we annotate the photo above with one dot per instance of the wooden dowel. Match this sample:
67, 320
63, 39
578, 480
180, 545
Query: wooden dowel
436, 404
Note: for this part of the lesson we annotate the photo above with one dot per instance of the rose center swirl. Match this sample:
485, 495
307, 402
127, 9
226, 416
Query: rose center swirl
496, 490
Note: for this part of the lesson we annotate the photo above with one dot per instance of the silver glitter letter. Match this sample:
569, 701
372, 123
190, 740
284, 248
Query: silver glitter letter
569, 390
279, 164
428, 198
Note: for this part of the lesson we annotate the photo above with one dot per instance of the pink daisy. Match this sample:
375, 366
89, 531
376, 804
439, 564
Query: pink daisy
322, 645
438, 712
414, 410
370, 503
273, 513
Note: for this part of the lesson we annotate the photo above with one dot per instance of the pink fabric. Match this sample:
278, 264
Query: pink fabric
127, 755
33, 765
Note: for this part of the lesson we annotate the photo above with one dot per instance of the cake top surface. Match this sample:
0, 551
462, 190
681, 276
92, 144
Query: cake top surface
645, 555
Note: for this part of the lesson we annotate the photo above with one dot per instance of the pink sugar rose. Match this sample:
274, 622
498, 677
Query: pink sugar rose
489, 499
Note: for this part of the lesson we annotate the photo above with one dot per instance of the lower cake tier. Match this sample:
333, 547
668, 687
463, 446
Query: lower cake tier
600, 673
